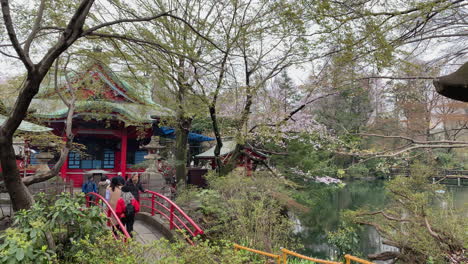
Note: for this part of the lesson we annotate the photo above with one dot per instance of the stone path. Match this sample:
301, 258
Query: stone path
145, 233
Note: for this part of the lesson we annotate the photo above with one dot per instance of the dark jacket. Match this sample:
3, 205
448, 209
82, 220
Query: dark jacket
134, 188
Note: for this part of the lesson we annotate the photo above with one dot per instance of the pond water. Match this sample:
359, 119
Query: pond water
328, 202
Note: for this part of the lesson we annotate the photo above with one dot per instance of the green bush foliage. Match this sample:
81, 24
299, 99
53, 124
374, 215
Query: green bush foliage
45, 233
108, 250
245, 210
358, 171
345, 239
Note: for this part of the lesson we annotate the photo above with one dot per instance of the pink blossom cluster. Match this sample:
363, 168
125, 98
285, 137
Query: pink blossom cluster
328, 180
307, 175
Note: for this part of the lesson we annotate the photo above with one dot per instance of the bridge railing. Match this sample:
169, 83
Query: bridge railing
287, 253
270, 255
94, 199
350, 258
168, 210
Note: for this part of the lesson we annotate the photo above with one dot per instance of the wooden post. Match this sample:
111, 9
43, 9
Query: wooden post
123, 152
171, 218
64, 169
152, 204
348, 261
459, 181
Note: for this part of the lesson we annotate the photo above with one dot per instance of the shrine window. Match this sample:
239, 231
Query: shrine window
109, 157
74, 160
140, 156
98, 154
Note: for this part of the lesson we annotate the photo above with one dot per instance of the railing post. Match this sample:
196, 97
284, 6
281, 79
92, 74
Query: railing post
348, 261
87, 200
152, 204
171, 218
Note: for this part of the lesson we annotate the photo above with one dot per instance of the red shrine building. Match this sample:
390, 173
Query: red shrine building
114, 118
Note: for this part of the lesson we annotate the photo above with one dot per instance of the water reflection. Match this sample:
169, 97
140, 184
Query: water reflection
328, 202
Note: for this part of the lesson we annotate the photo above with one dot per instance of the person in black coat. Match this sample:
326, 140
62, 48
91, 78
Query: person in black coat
134, 185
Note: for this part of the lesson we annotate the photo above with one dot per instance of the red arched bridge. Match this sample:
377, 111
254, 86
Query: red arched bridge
158, 217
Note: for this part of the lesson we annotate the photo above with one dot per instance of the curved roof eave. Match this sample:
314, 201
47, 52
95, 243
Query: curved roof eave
27, 126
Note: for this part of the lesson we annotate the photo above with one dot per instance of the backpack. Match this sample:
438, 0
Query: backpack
129, 210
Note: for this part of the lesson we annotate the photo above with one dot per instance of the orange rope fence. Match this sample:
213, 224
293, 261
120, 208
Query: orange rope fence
350, 258
283, 258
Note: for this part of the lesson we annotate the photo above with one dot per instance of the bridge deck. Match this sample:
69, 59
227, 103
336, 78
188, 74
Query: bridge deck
145, 233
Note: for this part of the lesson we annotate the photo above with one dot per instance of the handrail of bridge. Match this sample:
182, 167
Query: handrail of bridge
350, 258
292, 253
170, 214
107, 209
277, 257
283, 258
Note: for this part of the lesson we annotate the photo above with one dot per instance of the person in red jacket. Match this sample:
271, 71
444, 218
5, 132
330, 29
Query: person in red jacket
126, 208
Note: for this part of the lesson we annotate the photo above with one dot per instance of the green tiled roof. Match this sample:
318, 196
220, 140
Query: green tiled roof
132, 112
27, 126
228, 147
128, 87
137, 107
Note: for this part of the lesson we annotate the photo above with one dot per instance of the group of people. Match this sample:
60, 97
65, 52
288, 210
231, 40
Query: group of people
122, 196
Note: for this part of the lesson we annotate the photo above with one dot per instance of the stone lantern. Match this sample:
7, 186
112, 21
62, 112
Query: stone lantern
156, 180
44, 157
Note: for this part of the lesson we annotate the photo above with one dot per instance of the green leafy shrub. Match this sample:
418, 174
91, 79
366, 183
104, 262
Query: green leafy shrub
345, 239
45, 233
245, 210
25, 247
448, 161
358, 171
108, 250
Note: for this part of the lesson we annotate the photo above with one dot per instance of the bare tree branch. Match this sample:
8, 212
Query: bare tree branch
432, 142
12, 35
35, 28
399, 78
397, 153
127, 20
389, 217
292, 113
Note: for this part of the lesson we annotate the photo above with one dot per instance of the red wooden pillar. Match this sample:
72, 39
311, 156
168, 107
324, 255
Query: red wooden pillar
64, 169
249, 166
123, 152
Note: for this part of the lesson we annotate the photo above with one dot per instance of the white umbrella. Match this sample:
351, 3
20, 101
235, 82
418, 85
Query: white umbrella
97, 172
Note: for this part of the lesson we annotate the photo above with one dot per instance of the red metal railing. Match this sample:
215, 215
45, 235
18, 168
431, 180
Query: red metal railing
172, 213
101, 202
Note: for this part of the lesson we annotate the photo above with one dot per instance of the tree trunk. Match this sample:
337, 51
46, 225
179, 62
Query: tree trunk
219, 142
20, 196
241, 133
182, 131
